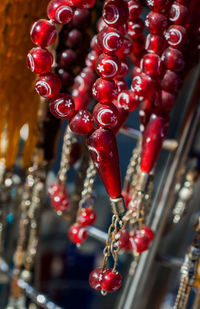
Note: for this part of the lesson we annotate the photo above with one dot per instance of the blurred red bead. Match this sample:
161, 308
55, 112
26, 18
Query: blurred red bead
156, 22
146, 109
59, 197
81, 18
171, 81
48, 85
105, 115
151, 64
95, 278
115, 13
138, 45
165, 102
60, 11
110, 40
128, 100
178, 14
86, 216
158, 5
101, 25
43, 33
155, 44
140, 242
94, 45
66, 78
121, 85
74, 39
39, 60
148, 232
83, 4
55, 189
62, 106
91, 59
173, 59
176, 36
125, 50
81, 122
67, 58
124, 69
104, 91
143, 85
77, 234
124, 241
108, 66
136, 28
135, 9
111, 281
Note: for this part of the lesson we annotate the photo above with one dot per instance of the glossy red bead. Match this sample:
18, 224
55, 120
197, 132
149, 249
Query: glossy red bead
62, 106
105, 115
125, 50
91, 59
151, 64
155, 44
43, 33
178, 14
104, 91
81, 18
74, 39
86, 216
158, 5
148, 232
66, 78
59, 197
115, 13
95, 278
140, 242
103, 150
111, 281
110, 40
83, 4
136, 28
153, 137
67, 59
81, 122
171, 81
77, 233
176, 36
165, 102
121, 85
124, 69
39, 60
143, 85
48, 85
135, 9
108, 66
124, 241
128, 100
156, 22
60, 11
173, 59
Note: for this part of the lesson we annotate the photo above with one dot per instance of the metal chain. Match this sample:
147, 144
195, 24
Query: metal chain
88, 185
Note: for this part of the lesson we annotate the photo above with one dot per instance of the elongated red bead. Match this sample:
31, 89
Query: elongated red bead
39, 60
103, 150
60, 11
48, 85
43, 33
153, 137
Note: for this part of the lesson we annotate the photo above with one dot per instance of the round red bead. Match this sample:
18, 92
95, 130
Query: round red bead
173, 59
151, 65
125, 50
91, 59
74, 39
55, 189
60, 11
94, 45
121, 85
43, 33
48, 85
176, 36
95, 278
83, 4
105, 115
140, 242
115, 13
86, 216
39, 60
158, 5
81, 18
124, 241
62, 106
77, 233
143, 85
171, 81
178, 14
148, 232
104, 91
67, 58
165, 102
155, 44
59, 197
128, 100
111, 281
107, 66
135, 9
124, 69
136, 28
81, 122
138, 46
110, 40
156, 22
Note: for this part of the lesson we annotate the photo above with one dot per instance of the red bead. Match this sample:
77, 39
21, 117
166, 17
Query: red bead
105, 115
135, 28
165, 102
43, 33
140, 242
83, 4
176, 36
48, 85
101, 25
81, 122
111, 281
66, 78
67, 58
75, 153
55, 189
143, 85
115, 13
104, 91
153, 137
103, 150
124, 69
81, 18
59, 197
60, 11
125, 50
121, 85
135, 9
138, 45
94, 45
145, 112
110, 40
95, 278
148, 232
74, 39
125, 242
155, 44
171, 81
122, 117
107, 66
156, 22
62, 106
128, 100
173, 59
86, 216
151, 65
77, 233
39, 60
91, 59
178, 14
158, 5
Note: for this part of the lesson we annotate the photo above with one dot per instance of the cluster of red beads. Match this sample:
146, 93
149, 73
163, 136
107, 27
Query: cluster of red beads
105, 280
59, 197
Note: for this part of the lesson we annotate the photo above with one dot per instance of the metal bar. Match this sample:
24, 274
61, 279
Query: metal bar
97, 234
169, 144
137, 286
169, 261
